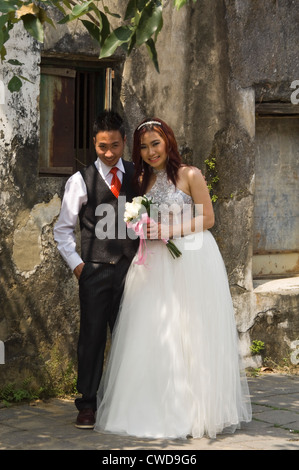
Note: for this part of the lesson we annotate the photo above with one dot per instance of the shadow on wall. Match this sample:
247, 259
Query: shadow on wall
38, 322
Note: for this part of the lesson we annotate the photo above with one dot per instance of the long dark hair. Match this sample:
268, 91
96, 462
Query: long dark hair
143, 171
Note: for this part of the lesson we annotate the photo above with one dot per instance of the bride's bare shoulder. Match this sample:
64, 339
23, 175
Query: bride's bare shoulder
189, 173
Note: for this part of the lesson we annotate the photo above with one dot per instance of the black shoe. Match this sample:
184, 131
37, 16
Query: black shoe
85, 419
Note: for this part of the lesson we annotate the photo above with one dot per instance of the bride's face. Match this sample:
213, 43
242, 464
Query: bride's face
153, 150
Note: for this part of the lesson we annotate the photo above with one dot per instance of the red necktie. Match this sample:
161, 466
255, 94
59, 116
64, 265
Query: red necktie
115, 183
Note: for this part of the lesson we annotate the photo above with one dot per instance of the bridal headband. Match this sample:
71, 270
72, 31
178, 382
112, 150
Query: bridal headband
148, 123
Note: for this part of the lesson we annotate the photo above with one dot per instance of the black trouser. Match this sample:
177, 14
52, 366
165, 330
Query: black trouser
100, 289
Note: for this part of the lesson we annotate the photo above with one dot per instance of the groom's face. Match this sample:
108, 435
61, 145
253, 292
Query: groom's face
109, 146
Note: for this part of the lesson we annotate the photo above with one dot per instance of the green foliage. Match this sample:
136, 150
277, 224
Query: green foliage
59, 379
212, 177
14, 84
257, 347
142, 23
12, 393
60, 375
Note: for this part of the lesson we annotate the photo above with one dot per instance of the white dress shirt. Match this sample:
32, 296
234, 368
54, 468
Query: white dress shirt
75, 196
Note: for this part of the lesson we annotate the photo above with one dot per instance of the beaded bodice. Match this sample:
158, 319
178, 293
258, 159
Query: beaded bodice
164, 194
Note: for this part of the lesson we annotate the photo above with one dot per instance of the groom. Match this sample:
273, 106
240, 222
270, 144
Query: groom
102, 267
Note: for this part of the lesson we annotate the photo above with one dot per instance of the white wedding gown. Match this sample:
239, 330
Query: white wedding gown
174, 368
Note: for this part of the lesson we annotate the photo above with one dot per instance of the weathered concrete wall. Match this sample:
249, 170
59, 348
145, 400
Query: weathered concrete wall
216, 59
38, 305
263, 40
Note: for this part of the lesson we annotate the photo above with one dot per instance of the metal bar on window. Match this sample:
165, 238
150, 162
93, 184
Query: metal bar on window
85, 106
77, 143
108, 88
92, 107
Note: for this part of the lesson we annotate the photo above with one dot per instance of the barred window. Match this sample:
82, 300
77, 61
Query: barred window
71, 96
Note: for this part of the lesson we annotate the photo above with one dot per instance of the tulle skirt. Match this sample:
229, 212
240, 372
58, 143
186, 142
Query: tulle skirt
174, 368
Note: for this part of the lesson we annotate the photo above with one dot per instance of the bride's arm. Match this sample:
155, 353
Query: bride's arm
199, 192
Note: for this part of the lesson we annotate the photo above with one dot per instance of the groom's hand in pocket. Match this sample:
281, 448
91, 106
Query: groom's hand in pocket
78, 270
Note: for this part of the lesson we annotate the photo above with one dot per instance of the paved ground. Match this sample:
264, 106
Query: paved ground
50, 426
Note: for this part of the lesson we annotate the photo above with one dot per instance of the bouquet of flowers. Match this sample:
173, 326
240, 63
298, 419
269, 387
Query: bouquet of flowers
138, 213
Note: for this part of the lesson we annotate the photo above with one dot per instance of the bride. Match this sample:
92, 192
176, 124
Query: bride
174, 369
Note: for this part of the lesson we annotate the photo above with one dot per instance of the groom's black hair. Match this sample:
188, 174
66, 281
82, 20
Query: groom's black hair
109, 121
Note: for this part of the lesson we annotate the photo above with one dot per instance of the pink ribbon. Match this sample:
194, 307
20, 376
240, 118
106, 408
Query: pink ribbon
138, 229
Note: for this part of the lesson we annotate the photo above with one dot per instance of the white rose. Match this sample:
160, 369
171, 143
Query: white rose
138, 200
134, 209
131, 211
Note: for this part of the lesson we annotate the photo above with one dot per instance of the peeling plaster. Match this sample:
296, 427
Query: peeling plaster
27, 247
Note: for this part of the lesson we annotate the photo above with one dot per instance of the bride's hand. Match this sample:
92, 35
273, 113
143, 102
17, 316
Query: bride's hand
152, 230
157, 231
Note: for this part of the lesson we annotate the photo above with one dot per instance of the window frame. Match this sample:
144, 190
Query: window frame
70, 67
